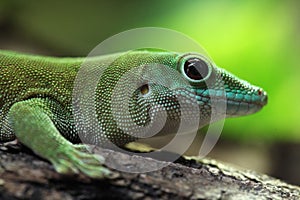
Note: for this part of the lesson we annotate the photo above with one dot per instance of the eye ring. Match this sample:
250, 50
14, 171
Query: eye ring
195, 68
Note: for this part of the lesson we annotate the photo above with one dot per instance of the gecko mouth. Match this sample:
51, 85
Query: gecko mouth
229, 104
245, 107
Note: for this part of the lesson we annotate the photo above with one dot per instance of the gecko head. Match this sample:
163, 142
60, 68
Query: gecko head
163, 89
217, 92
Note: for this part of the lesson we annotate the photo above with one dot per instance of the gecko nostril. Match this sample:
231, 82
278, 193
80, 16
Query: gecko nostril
260, 92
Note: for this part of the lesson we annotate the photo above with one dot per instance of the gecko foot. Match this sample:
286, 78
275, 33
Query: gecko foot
77, 159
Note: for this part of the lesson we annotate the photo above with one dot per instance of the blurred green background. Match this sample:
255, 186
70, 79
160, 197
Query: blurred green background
255, 40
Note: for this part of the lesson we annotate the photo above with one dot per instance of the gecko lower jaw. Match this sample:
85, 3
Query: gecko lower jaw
243, 107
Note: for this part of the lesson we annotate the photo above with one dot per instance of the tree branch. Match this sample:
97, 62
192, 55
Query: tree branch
26, 176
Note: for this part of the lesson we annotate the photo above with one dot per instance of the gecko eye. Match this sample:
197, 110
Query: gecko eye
144, 89
196, 69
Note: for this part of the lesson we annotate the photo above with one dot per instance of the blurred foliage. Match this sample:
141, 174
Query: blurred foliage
256, 40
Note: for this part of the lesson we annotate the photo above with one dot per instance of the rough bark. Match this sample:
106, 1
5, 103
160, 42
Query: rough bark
26, 176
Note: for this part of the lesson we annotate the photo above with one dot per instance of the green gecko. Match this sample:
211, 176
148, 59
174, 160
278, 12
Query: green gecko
36, 101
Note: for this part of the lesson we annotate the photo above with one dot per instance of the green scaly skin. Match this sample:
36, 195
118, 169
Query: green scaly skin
36, 102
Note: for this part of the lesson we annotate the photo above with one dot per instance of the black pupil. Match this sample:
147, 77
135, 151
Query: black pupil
195, 68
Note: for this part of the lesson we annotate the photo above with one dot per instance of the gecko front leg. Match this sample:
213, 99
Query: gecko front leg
32, 124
